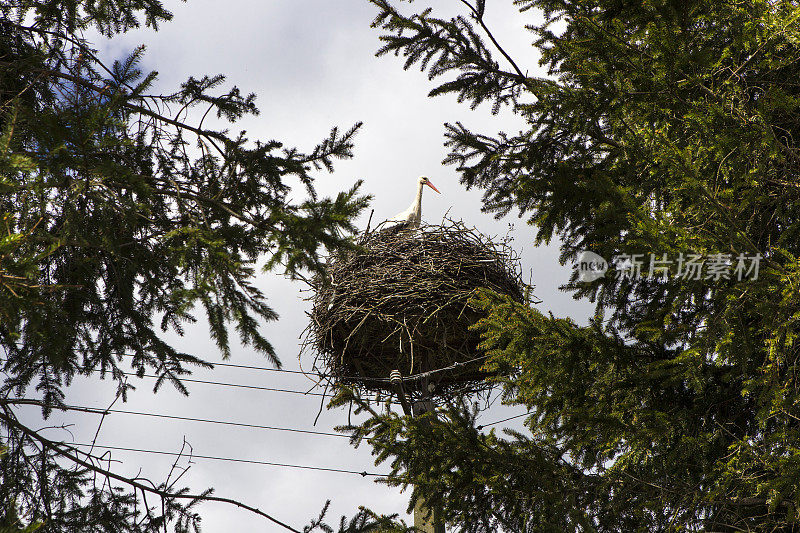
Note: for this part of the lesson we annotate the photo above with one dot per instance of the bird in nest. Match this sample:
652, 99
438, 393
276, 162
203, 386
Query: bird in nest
412, 217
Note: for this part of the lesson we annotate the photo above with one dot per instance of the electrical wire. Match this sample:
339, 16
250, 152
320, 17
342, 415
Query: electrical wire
264, 368
228, 459
281, 370
503, 420
240, 386
252, 367
240, 424
103, 411
411, 377
454, 366
270, 389
224, 384
221, 422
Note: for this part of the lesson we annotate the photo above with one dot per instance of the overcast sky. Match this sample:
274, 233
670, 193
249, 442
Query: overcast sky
312, 65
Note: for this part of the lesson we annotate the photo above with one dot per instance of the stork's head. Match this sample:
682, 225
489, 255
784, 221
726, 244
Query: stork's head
423, 180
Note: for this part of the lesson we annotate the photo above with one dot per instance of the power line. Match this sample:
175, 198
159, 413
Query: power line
229, 459
224, 384
311, 374
316, 374
266, 369
503, 420
239, 385
102, 411
253, 367
411, 377
454, 366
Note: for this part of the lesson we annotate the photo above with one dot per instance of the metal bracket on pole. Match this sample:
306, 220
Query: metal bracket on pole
397, 380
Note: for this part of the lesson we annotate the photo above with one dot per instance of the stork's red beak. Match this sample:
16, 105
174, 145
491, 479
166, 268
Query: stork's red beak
429, 184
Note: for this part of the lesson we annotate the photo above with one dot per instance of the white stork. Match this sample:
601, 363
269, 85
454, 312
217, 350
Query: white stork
411, 217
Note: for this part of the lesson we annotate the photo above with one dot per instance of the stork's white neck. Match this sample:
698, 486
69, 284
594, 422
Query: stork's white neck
418, 200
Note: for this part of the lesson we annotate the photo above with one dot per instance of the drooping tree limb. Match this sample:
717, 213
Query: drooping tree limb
69, 454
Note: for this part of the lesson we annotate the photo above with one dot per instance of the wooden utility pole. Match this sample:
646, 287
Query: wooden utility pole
426, 520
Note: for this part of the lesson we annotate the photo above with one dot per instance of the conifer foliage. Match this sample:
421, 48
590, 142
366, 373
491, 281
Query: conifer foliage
122, 210
668, 129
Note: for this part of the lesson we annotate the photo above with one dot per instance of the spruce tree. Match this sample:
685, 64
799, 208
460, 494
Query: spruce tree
120, 215
669, 129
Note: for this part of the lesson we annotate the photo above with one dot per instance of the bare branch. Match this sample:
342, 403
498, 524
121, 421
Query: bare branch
69, 454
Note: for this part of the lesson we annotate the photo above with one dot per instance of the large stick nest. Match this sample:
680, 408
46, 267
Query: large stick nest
402, 301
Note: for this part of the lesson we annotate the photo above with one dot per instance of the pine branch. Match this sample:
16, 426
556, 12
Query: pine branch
210, 136
478, 16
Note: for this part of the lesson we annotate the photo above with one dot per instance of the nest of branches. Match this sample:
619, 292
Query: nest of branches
403, 301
